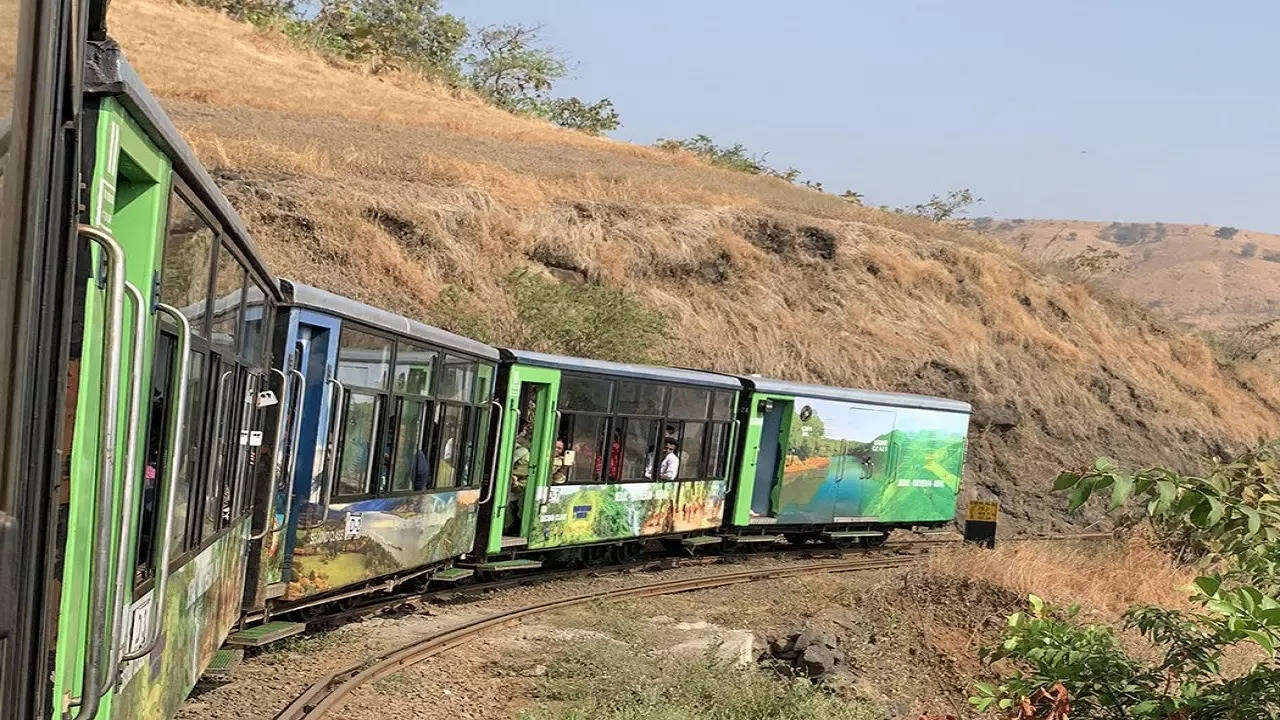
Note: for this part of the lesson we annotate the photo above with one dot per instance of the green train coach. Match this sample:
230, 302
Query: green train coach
193, 447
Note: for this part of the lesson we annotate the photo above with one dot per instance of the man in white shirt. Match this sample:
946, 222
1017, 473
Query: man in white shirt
670, 466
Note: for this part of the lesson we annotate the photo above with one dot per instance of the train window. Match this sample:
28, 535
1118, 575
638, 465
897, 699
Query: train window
484, 385
193, 453
217, 493
452, 424
690, 450
584, 436
357, 456
717, 448
689, 403
640, 442
154, 455
457, 378
228, 292
414, 366
636, 398
722, 405
412, 471
479, 439
584, 394
188, 252
364, 359
257, 318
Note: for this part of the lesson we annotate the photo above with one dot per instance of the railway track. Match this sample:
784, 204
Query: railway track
326, 693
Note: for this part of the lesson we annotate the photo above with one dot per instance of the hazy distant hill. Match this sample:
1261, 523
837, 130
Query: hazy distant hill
1203, 275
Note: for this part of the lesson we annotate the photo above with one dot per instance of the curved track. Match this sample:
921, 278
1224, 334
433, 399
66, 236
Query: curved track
329, 691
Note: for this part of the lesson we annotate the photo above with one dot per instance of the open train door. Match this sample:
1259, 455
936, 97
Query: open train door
40, 53
525, 449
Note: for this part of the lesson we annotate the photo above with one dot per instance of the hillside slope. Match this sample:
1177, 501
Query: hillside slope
390, 190
1183, 270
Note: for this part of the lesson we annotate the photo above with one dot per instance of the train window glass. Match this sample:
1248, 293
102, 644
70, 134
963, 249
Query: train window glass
414, 368
360, 424
484, 384
635, 398
722, 405
613, 458
473, 439
188, 251
412, 470
639, 445
717, 446
250, 454
257, 318
584, 394
154, 455
364, 360
228, 292
452, 425
690, 450
216, 493
457, 378
193, 453
480, 439
584, 436
689, 403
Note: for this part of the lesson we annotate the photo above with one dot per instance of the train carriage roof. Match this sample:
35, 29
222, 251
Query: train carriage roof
623, 370
314, 298
871, 397
107, 72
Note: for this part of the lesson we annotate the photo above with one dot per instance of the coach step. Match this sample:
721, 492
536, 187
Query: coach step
265, 634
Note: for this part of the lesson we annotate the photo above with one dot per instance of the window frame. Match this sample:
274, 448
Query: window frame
385, 430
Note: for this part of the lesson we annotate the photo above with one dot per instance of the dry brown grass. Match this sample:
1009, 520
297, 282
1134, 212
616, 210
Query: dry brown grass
1104, 577
389, 189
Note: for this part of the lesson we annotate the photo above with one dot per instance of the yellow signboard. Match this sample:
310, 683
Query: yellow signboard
983, 511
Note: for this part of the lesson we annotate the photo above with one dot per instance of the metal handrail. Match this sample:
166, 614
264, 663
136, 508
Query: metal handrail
176, 425
91, 679
493, 464
297, 440
268, 518
130, 480
331, 462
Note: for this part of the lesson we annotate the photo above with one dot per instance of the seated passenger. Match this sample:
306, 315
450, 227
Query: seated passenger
559, 471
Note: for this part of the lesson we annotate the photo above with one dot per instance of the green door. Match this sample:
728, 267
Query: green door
528, 432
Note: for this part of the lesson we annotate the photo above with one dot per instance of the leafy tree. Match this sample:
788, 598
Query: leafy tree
594, 118
851, 197
954, 204
1226, 232
1230, 520
507, 65
392, 33
732, 157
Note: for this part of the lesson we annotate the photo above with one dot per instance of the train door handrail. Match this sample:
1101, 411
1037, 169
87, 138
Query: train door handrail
495, 450
134, 411
268, 521
91, 677
176, 425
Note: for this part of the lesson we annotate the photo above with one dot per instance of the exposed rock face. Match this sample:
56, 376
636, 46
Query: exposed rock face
809, 651
700, 639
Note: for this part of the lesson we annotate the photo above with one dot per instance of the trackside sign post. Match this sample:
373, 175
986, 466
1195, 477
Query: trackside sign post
980, 522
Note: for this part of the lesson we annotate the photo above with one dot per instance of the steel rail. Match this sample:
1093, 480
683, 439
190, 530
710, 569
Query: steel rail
325, 694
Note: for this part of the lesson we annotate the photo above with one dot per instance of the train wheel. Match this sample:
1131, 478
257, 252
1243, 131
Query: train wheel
597, 554
627, 552
798, 538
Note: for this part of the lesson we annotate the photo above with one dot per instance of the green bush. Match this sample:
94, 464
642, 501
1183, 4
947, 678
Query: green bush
594, 118
586, 320
1229, 520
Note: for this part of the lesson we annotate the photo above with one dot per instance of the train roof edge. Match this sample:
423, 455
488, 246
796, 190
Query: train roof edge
314, 298
627, 370
108, 72
871, 397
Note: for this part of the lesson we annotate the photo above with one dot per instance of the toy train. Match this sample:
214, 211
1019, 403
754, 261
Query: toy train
235, 446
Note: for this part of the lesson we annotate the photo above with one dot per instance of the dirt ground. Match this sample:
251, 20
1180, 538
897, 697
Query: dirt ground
909, 636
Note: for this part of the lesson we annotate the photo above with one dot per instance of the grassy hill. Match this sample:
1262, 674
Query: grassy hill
423, 200
1185, 271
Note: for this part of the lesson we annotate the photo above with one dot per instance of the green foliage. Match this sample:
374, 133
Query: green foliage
594, 118
851, 197
393, 34
587, 320
1226, 232
730, 157
953, 205
1128, 233
1229, 521
602, 680
507, 65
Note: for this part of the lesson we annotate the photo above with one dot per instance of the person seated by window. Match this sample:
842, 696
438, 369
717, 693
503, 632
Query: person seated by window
559, 471
670, 466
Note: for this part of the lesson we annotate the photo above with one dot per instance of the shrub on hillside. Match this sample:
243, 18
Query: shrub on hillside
1249, 249
1226, 232
1229, 521
952, 205
593, 118
1126, 233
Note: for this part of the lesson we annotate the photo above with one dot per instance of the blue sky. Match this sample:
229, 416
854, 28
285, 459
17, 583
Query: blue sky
1132, 111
